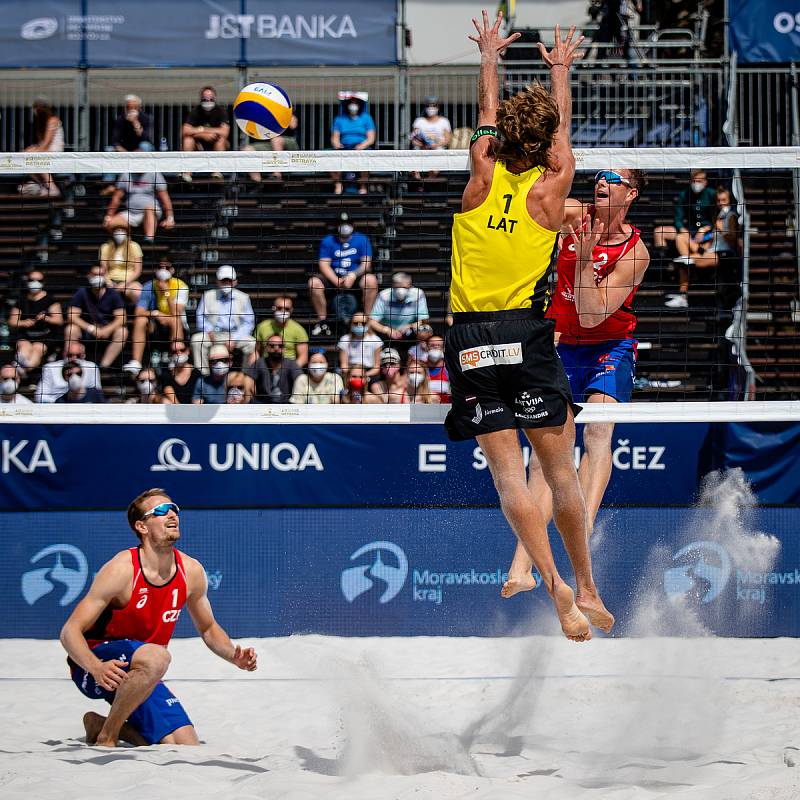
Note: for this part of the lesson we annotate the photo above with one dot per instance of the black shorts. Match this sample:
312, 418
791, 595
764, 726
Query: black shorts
504, 373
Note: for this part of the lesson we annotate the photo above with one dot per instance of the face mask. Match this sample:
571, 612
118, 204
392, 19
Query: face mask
391, 372
358, 330
97, 281
9, 386
345, 231
163, 274
179, 359
220, 368
435, 355
431, 111
357, 384
208, 105
698, 186
400, 293
352, 108
226, 290
75, 382
317, 370
145, 387
724, 210
275, 355
34, 286
119, 236
415, 378
282, 316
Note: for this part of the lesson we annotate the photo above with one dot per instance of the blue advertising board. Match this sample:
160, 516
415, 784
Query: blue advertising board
765, 30
433, 572
194, 33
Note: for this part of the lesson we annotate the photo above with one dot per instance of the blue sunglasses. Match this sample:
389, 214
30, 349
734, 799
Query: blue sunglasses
161, 510
611, 177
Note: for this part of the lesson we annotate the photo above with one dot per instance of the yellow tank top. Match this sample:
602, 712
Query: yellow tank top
501, 256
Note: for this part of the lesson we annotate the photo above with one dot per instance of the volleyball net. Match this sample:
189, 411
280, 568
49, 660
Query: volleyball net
717, 309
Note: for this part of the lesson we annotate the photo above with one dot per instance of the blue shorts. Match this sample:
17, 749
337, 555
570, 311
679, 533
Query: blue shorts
605, 368
158, 716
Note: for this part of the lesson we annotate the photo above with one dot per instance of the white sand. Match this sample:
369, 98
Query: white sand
711, 719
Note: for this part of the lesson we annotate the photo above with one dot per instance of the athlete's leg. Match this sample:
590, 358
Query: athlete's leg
148, 666
555, 447
183, 735
93, 724
504, 457
595, 469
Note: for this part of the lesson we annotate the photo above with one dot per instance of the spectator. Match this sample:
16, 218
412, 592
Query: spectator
399, 311
53, 385
181, 376
122, 259
344, 259
437, 370
48, 137
356, 390
133, 129
293, 333
274, 375
212, 388
390, 386
360, 347
147, 387
206, 128
36, 320
224, 316
320, 386
353, 129
718, 246
147, 201
160, 313
430, 131
97, 314
288, 140
417, 388
77, 391
419, 351
8, 387
241, 389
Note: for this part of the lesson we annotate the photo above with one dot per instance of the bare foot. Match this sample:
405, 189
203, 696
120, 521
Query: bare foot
523, 582
591, 605
93, 724
573, 623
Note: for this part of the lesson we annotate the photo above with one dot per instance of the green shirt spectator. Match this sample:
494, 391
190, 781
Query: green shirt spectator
295, 338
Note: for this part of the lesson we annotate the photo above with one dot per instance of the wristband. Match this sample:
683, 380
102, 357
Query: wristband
483, 130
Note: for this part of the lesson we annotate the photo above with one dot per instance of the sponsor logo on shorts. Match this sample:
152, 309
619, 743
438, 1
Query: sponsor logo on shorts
490, 355
481, 412
530, 406
170, 701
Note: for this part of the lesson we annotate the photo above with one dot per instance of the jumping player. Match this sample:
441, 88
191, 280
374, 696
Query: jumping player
117, 635
599, 272
504, 372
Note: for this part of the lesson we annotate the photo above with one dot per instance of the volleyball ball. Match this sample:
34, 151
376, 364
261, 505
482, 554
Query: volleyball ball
262, 110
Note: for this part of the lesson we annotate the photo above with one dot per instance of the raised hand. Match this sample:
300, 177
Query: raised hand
489, 41
586, 238
563, 53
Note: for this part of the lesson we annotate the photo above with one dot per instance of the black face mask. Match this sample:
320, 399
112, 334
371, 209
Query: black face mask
275, 355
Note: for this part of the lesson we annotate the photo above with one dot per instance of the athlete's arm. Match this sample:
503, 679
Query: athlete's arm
111, 581
209, 629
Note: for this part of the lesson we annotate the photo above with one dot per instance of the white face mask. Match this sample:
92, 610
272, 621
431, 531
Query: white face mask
416, 378
34, 286
431, 111
9, 386
435, 355
180, 359
725, 209
96, 281
163, 274
698, 186
226, 290
145, 387
352, 108
220, 368
119, 236
400, 293
345, 231
317, 370
75, 382
282, 316
208, 105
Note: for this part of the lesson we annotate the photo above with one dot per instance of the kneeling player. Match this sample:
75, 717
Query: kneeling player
117, 635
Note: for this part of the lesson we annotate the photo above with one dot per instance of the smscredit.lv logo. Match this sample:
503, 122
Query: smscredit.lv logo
375, 572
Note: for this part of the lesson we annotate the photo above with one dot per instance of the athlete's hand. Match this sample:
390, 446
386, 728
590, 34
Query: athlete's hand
586, 238
489, 41
244, 658
563, 53
110, 674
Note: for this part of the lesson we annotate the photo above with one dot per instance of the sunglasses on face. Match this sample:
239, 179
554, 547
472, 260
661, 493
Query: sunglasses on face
275, 346
612, 177
161, 510
219, 361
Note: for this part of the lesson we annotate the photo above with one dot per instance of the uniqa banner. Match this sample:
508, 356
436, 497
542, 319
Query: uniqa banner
765, 30
196, 33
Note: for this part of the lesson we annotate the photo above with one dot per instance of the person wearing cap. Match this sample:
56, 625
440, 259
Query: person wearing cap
391, 384
160, 313
430, 131
213, 388
345, 258
399, 311
224, 316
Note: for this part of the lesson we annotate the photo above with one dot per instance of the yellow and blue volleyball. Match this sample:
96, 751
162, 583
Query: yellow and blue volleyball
262, 110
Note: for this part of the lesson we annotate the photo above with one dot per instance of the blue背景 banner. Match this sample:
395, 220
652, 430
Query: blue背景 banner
194, 33
765, 30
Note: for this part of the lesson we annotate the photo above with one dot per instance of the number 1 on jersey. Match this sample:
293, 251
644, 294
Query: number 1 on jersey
507, 198
174, 598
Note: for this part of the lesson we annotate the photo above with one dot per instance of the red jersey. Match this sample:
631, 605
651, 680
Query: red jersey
619, 325
150, 614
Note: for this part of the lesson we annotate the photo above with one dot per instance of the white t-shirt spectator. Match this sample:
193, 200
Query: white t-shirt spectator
433, 131
360, 351
52, 385
141, 189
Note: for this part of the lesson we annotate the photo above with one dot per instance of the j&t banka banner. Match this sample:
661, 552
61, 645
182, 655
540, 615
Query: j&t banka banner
194, 33
765, 30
